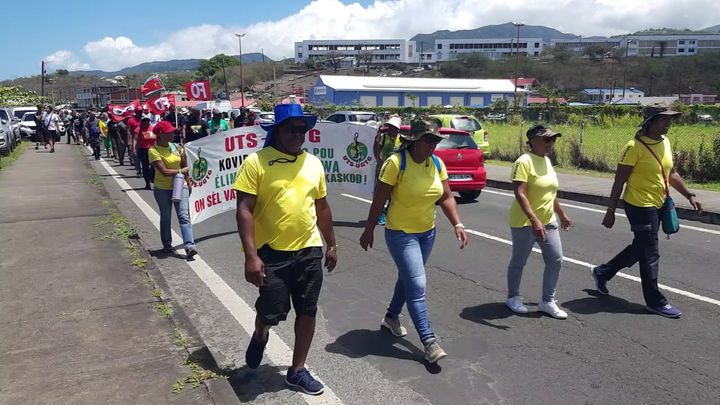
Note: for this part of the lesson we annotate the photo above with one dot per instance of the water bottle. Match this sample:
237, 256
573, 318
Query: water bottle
178, 185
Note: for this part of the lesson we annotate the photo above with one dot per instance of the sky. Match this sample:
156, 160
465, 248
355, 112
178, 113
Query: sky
81, 34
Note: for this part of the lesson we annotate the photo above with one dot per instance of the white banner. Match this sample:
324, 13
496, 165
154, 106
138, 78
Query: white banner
344, 149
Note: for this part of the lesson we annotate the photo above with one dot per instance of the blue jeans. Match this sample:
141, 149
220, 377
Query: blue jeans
165, 203
410, 251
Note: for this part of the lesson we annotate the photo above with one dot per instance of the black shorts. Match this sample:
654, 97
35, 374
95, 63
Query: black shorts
293, 275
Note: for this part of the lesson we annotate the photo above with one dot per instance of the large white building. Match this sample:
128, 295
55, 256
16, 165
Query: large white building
406, 51
382, 50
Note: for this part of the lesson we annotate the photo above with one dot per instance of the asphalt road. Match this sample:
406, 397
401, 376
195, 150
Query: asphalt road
609, 351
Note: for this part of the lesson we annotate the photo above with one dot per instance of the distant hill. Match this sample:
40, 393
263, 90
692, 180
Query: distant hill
507, 30
715, 29
175, 65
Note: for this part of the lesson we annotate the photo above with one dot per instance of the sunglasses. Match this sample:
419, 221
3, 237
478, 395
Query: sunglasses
549, 140
433, 140
296, 129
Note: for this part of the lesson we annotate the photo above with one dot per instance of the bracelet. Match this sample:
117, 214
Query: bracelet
459, 225
611, 209
691, 195
333, 247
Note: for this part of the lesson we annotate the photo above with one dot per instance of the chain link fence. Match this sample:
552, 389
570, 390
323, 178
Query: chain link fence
594, 142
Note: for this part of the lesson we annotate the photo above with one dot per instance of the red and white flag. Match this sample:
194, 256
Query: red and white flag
120, 112
151, 85
161, 105
198, 90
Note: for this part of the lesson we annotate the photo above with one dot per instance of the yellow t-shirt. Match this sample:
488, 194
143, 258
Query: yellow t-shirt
645, 186
542, 185
415, 191
284, 213
170, 157
103, 127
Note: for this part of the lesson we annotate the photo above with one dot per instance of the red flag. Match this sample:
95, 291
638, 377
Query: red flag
198, 90
120, 112
151, 85
160, 105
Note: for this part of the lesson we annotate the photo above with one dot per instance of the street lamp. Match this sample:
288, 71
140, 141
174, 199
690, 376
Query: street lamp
627, 48
517, 56
242, 87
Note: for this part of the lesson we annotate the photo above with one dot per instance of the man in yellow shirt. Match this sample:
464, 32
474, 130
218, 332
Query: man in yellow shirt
281, 203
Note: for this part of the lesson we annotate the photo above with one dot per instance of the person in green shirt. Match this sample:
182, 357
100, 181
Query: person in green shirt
386, 141
532, 220
217, 123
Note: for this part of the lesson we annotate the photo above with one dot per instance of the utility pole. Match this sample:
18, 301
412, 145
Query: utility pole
42, 78
227, 92
262, 52
422, 49
627, 48
517, 57
242, 83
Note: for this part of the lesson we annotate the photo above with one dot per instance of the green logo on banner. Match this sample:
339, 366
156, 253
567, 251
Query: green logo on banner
200, 168
357, 152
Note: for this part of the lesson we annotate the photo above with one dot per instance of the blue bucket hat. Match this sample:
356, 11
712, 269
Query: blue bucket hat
284, 112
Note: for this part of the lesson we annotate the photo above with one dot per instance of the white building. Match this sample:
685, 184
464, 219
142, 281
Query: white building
671, 45
382, 50
447, 49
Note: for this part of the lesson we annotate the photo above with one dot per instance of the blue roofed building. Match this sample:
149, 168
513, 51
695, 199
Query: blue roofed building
368, 91
612, 95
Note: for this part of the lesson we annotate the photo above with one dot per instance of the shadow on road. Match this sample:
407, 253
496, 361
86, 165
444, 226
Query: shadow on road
249, 384
161, 254
215, 235
598, 303
493, 311
360, 343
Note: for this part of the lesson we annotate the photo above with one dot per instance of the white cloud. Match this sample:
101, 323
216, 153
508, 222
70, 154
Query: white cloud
63, 59
323, 19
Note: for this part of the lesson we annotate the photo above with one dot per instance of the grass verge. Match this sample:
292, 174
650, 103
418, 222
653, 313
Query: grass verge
6, 161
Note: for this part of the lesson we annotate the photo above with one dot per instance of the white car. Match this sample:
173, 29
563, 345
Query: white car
18, 112
353, 117
7, 140
264, 117
27, 125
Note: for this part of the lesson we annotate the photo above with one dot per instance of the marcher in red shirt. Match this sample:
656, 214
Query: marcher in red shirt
133, 124
146, 140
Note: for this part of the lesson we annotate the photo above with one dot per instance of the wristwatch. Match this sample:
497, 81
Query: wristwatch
690, 195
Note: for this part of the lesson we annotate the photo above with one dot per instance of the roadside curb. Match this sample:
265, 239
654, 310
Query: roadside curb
219, 389
712, 218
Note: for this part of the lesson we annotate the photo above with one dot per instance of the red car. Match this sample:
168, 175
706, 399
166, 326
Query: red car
464, 161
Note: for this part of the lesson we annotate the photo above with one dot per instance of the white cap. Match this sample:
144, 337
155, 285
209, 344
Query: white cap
394, 121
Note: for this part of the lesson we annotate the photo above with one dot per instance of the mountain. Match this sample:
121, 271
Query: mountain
714, 29
175, 65
507, 30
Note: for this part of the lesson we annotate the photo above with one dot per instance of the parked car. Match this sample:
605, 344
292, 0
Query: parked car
7, 139
353, 117
466, 123
13, 122
265, 117
27, 125
705, 117
464, 160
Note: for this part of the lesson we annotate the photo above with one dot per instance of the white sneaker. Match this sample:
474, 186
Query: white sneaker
551, 308
516, 304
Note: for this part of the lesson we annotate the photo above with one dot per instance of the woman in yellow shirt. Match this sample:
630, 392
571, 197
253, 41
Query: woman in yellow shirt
104, 134
532, 220
416, 179
168, 159
646, 166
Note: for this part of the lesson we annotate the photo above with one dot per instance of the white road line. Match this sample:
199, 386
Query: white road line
577, 262
579, 207
276, 350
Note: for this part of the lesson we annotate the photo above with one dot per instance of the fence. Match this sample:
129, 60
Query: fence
594, 142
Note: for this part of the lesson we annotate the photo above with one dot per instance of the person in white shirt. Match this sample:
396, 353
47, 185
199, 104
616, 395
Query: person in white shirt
50, 122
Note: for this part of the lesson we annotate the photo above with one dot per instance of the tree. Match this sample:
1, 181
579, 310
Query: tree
413, 98
597, 52
558, 53
333, 59
62, 72
208, 67
16, 95
365, 58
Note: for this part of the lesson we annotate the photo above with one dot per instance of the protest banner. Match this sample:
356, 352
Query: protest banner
345, 151
198, 90
120, 112
152, 85
161, 105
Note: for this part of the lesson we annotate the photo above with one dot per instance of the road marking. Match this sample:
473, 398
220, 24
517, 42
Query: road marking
276, 350
577, 262
579, 207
